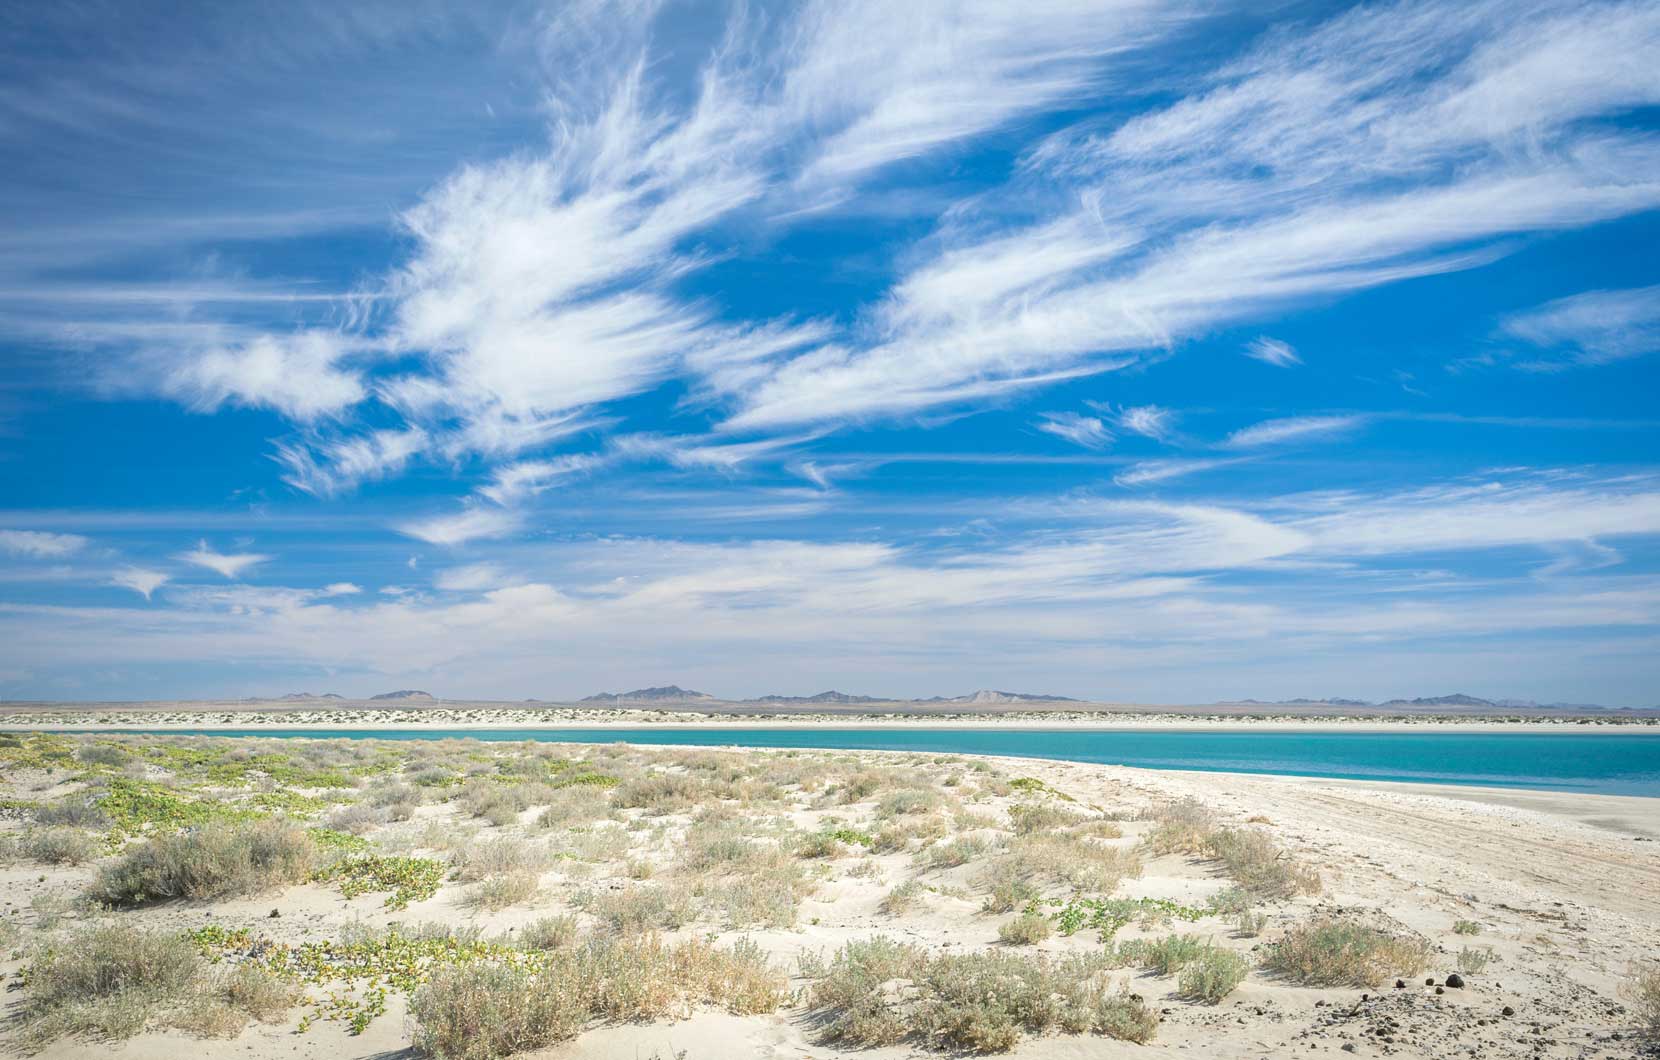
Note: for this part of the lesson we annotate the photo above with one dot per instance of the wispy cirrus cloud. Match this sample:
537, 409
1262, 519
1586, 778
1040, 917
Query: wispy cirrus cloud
1076, 428
140, 580
1597, 327
1291, 429
230, 565
469, 524
1272, 351
41, 544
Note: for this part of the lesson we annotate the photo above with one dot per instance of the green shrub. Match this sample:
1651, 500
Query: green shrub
480, 1012
639, 909
216, 861
1466, 927
1332, 952
1212, 975
76, 811
1167, 955
406, 879
549, 933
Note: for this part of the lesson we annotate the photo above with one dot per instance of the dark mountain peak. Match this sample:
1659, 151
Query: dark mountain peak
660, 692
404, 693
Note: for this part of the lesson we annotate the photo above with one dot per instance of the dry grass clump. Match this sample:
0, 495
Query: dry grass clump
1181, 827
216, 861
1030, 818
958, 851
549, 933
1643, 992
58, 846
901, 899
478, 1012
500, 892
1059, 858
357, 820
654, 907
908, 802
76, 811
224, 1004
106, 981
882, 992
576, 804
1259, 866
1212, 975
1027, 929
659, 794
501, 804
1331, 952
501, 856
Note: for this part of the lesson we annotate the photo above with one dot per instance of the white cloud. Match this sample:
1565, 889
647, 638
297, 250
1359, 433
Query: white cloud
1149, 420
1086, 431
468, 525
1291, 429
229, 565
517, 482
139, 580
474, 578
40, 544
1597, 327
1272, 351
1148, 472
327, 468
341, 589
298, 375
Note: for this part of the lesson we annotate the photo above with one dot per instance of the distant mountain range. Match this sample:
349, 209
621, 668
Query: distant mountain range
313, 695
404, 693
661, 693
674, 693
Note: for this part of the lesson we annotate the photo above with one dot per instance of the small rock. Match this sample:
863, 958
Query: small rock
1429, 982
1349, 1047
1508, 1011
1440, 990
1400, 984
1455, 980
274, 914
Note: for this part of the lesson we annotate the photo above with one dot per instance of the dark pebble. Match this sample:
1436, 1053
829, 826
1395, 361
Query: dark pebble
1400, 984
1455, 980
1508, 1011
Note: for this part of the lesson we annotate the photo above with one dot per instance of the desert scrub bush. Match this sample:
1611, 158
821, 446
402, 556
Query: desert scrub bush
655, 907
406, 879
1466, 927
881, 992
1029, 818
1181, 827
1643, 993
658, 794
1027, 929
357, 819
499, 857
1331, 952
955, 852
1248, 923
908, 802
1473, 961
229, 997
483, 1011
216, 861
575, 804
1212, 975
58, 846
76, 811
107, 981
1164, 956
103, 754
1254, 861
499, 892
1062, 859
549, 933
819, 845
901, 899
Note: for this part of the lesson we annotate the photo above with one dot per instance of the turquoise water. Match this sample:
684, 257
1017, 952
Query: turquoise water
1607, 763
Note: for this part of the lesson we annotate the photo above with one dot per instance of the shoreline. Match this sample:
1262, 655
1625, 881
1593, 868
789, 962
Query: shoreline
495, 720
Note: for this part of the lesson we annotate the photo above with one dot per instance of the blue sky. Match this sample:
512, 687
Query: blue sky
1122, 350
